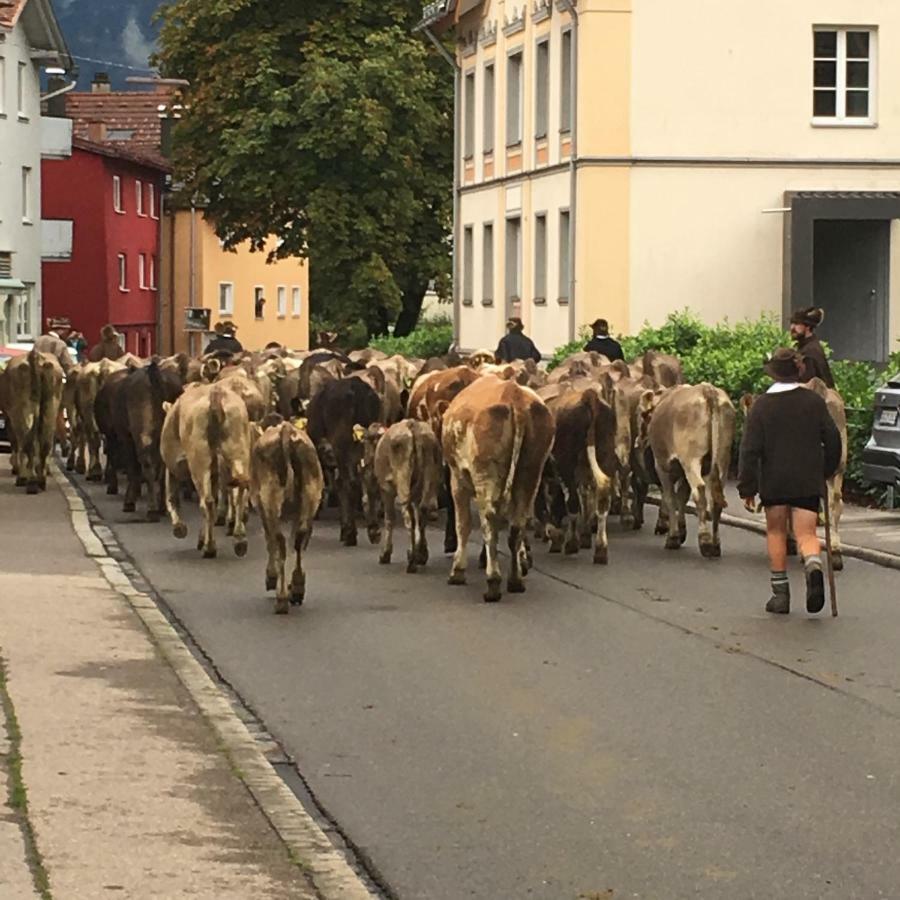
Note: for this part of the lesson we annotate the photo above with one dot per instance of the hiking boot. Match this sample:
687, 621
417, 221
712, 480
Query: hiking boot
815, 590
780, 603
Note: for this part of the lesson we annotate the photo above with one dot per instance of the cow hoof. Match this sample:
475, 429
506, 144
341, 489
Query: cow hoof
79, 469
585, 542
281, 606
94, 477
717, 550
628, 523
297, 598
411, 567
350, 540
385, 559
708, 551
32, 487
450, 546
572, 547
673, 543
152, 515
21, 482
422, 556
457, 578
128, 506
200, 542
240, 548
220, 520
70, 466
209, 553
515, 587
837, 561
493, 593
601, 556
180, 530
374, 535
271, 582
661, 529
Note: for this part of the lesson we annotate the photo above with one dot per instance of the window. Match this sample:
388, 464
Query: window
489, 93
226, 298
542, 89
565, 99
2, 86
843, 80
152, 278
564, 243
142, 270
281, 301
469, 125
513, 260
139, 197
26, 194
151, 196
295, 302
20, 91
468, 265
117, 194
540, 258
23, 314
123, 273
514, 99
487, 265
259, 302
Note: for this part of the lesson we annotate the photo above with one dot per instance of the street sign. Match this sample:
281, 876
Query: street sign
196, 318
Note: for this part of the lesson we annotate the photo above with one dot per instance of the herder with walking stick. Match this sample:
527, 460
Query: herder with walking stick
790, 446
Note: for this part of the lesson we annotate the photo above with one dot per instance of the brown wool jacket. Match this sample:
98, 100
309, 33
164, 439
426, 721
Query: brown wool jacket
790, 446
815, 360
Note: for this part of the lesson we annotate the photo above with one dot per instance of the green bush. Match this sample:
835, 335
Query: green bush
576, 346
430, 338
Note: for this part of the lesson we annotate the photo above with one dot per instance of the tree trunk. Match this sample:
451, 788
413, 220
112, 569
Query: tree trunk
412, 307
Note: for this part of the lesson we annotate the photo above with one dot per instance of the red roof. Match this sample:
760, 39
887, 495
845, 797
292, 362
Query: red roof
10, 11
122, 151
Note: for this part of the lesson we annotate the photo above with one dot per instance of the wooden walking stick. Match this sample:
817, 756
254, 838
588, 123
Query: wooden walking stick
832, 589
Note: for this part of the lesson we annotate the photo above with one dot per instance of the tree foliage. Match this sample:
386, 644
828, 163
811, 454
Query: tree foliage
328, 125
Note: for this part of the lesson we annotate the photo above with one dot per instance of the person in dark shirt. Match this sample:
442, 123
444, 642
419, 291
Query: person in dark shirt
515, 344
224, 339
109, 346
790, 447
601, 342
803, 325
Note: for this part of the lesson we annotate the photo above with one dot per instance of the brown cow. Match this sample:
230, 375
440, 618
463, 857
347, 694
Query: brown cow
496, 438
404, 463
74, 436
665, 370
285, 478
34, 385
690, 433
91, 378
206, 438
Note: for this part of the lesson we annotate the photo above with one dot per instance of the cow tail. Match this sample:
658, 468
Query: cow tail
403, 446
601, 479
715, 438
37, 397
215, 426
518, 438
291, 459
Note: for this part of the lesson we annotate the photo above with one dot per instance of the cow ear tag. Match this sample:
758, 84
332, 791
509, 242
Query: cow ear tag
359, 432
301, 423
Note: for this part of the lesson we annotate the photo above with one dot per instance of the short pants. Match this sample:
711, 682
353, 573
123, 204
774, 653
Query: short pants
810, 503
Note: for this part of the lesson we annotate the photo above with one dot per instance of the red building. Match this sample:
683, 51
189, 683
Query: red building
111, 194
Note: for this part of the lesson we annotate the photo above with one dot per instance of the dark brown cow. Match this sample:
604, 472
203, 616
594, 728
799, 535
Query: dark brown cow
496, 439
90, 379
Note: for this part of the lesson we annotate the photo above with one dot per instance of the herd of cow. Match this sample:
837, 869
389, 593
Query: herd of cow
279, 431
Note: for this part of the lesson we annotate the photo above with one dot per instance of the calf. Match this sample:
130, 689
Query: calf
285, 478
496, 438
690, 433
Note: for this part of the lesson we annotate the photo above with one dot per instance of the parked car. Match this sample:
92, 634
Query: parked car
881, 458
6, 354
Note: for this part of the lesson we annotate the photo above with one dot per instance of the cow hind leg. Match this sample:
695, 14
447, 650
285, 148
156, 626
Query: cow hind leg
461, 501
409, 520
491, 528
207, 542
387, 532
239, 496
515, 583
173, 506
450, 529
421, 537
702, 493
835, 500
669, 502
298, 579
601, 538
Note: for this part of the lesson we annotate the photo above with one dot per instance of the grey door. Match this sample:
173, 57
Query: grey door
850, 282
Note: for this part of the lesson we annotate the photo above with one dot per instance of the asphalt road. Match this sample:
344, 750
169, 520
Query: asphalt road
640, 730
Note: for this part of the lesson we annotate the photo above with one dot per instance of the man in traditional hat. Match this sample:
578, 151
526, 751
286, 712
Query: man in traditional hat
601, 342
803, 325
790, 447
224, 341
515, 344
53, 342
109, 346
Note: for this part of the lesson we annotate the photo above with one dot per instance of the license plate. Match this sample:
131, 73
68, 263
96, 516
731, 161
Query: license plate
888, 417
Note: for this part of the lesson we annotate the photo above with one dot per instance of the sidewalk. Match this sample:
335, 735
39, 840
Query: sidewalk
129, 792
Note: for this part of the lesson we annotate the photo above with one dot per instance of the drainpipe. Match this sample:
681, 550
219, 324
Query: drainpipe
569, 6
456, 172
192, 272
59, 91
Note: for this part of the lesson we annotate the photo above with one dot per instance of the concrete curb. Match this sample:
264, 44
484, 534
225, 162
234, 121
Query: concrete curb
866, 554
328, 870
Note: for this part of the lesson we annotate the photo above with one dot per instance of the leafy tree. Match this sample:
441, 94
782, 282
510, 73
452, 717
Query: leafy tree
330, 126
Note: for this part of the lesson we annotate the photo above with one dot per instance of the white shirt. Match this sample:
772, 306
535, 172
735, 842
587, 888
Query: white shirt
782, 387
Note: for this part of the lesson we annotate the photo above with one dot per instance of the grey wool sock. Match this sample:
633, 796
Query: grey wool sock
780, 583
812, 562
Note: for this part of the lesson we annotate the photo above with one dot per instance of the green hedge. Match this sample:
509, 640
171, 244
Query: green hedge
430, 338
731, 357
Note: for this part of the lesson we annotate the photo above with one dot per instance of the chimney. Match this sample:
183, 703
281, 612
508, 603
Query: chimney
97, 132
100, 84
56, 106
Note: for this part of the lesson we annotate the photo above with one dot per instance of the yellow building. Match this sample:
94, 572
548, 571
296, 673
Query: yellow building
267, 301
626, 158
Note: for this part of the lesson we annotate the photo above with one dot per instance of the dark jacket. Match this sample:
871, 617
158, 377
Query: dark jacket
790, 446
106, 350
221, 342
816, 364
606, 345
516, 345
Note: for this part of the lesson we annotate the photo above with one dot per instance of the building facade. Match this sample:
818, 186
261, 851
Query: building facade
627, 158
111, 195
266, 301
29, 40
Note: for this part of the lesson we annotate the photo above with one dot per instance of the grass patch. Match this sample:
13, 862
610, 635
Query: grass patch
18, 795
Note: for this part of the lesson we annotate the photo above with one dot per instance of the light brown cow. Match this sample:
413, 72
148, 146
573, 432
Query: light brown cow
405, 464
73, 434
665, 370
91, 377
690, 434
34, 384
206, 438
286, 478
496, 439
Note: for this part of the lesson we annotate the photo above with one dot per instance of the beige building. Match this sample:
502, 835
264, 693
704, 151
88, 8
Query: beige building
627, 158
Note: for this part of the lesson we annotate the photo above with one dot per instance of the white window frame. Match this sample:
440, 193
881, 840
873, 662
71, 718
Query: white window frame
151, 188
117, 194
2, 87
259, 293
487, 263
139, 197
21, 93
281, 301
142, 271
468, 265
515, 60
489, 107
296, 301
512, 288
566, 62
123, 273
226, 309
23, 327
27, 175
840, 119
542, 88
469, 114
564, 267
540, 258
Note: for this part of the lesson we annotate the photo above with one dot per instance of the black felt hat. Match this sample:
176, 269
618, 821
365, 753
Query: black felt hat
784, 365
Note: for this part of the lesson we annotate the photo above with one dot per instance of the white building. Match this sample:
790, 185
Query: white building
30, 40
